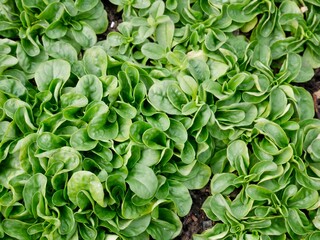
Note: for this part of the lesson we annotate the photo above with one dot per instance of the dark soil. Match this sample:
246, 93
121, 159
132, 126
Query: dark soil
114, 18
196, 221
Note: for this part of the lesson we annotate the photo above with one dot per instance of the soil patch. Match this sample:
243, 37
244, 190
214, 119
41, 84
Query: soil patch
196, 221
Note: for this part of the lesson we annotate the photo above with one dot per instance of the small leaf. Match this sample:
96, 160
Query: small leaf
177, 132
49, 70
238, 156
48, 141
179, 194
258, 193
83, 5
142, 181
81, 141
90, 86
153, 51
95, 61
16, 229
159, 99
188, 85
154, 138
164, 33
221, 182
273, 131
84, 180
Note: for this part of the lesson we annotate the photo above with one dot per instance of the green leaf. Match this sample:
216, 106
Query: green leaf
67, 220
176, 96
177, 132
198, 177
50, 70
86, 37
81, 141
258, 193
305, 198
272, 131
298, 222
87, 232
35, 185
188, 85
115, 39
278, 103
238, 156
159, 120
63, 50
84, 180
179, 194
48, 141
12, 87
164, 34
137, 129
136, 226
142, 181
90, 86
154, 138
7, 61
56, 30
102, 130
95, 61
16, 229
304, 103
125, 110
198, 66
219, 207
218, 231
153, 51
188, 153
72, 99
83, 5
221, 182
215, 39
141, 4
159, 99
166, 226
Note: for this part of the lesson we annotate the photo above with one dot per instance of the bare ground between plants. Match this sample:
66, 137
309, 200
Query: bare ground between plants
197, 221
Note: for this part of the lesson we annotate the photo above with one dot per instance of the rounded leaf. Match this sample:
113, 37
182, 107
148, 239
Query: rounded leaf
84, 180
49, 70
142, 181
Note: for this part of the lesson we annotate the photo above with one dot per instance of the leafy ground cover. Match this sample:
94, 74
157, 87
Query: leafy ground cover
121, 119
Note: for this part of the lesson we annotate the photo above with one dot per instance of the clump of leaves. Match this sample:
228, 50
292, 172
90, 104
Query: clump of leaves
104, 140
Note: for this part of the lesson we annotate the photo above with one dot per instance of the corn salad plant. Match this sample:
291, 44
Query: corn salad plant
104, 139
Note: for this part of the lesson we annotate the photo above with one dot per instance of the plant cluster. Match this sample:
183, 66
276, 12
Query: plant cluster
104, 139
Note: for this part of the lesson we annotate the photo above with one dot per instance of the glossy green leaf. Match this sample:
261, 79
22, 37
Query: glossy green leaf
90, 86
177, 132
35, 185
81, 141
84, 180
153, 51
238, 156
83, 6
16, 229
273, 131
95, 61
50, 70
154, 138
179, 194
48, 141
142, 181
159, 98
